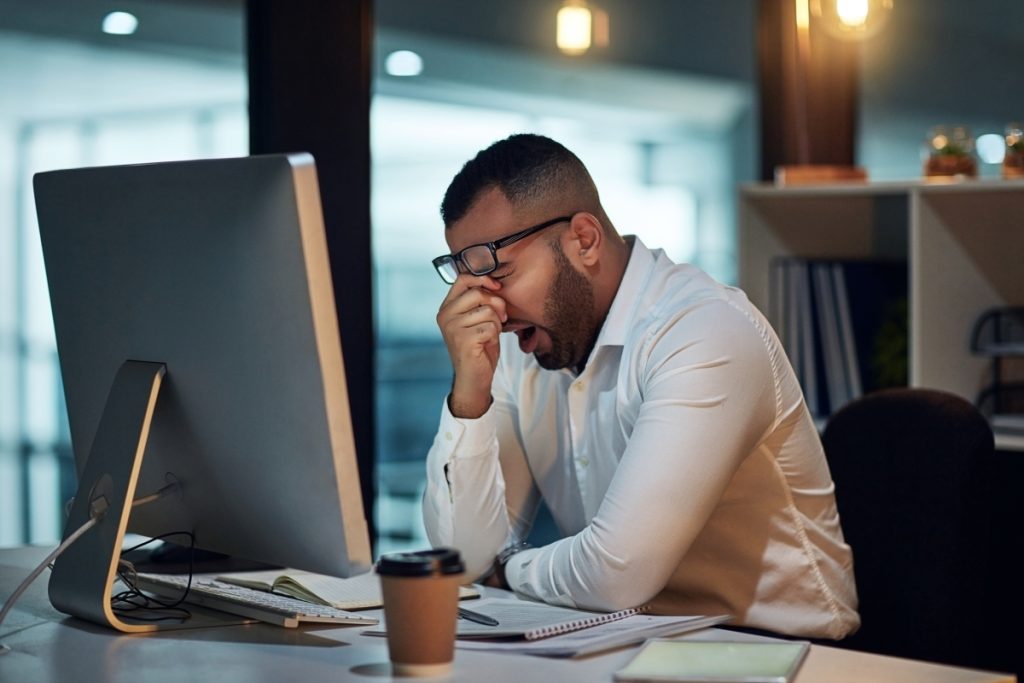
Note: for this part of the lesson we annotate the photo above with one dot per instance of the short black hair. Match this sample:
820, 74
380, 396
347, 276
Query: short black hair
524, 167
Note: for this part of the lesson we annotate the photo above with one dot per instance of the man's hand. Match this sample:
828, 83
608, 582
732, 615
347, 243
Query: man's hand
496, 579
470, 318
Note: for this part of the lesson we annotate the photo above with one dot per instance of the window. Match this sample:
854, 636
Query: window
66, 104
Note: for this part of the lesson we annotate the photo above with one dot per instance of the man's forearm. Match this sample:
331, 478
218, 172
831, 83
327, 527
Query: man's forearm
464, 501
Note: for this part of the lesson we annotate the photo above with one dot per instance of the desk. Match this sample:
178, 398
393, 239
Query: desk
48, 646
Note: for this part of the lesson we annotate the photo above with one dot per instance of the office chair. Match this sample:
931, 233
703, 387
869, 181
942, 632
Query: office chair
913, 475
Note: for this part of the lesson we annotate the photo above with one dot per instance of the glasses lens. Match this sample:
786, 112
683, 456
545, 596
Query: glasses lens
446, 268
479, 259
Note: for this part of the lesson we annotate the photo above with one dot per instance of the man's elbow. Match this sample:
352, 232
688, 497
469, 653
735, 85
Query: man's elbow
478, 565
477, 557
620, 591
629, 599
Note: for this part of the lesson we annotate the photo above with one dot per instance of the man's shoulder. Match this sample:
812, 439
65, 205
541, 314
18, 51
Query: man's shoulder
686, 309
675, 293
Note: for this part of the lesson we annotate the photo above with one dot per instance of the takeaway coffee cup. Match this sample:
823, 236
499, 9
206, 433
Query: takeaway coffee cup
421, 600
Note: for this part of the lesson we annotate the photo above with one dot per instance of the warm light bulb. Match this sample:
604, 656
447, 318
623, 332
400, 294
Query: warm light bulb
852, 13
803, 17
851, 19
574, 29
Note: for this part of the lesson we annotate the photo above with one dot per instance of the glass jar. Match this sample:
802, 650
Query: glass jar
1013, 160
949, 152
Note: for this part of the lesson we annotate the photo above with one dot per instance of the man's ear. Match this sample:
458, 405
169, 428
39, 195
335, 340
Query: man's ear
586, 237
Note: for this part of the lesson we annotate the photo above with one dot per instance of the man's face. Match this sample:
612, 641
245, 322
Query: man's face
550, 304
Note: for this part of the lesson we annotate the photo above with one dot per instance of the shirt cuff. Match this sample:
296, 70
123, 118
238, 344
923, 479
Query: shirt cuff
516, 568
467, 438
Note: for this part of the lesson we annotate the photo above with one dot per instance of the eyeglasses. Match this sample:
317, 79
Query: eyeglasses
481, 259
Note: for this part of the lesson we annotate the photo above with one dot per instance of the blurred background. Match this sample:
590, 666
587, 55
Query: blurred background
665, 113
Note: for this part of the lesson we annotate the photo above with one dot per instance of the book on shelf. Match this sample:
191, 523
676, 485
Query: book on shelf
807, 350
843, 325
357, 592
837, 384
846, 331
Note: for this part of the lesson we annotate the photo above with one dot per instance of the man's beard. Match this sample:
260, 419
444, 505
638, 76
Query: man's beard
569, 316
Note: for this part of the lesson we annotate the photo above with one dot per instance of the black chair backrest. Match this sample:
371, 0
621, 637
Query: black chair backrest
913, 476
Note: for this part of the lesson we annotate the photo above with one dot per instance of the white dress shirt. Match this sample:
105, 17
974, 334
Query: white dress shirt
681, 466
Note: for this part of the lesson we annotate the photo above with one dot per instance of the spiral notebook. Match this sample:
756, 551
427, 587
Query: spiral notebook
534, 628
533, 620
527, 620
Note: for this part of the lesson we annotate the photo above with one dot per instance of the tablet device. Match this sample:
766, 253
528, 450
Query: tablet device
715, 662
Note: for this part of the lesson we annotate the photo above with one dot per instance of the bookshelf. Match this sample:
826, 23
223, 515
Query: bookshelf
963, 243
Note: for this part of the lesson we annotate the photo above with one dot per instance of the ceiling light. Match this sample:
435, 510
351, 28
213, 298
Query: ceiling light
852, 13
403, 63
120, 23
574, 27
852, 19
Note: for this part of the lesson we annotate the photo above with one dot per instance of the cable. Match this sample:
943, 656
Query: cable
134, 599
43, 565
97, 508
160, 493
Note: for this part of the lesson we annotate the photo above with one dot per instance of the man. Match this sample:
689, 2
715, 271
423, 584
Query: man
652, 409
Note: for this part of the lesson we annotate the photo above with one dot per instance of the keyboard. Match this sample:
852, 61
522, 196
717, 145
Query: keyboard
271, 608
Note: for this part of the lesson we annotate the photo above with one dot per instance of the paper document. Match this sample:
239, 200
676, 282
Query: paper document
537, 628
613, 634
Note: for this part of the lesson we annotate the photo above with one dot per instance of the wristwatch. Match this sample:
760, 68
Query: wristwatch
505, 555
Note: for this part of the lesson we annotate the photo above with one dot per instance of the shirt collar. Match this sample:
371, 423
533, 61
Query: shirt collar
623, 309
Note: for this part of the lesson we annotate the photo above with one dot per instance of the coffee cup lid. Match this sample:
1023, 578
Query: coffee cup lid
437, 561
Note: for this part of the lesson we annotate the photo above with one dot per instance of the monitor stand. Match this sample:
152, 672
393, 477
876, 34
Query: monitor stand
83, 576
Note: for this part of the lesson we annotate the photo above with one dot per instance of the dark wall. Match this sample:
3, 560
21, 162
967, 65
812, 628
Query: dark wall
309, 90
948, 56
697, 36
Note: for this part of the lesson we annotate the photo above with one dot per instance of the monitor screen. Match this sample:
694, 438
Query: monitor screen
218, 270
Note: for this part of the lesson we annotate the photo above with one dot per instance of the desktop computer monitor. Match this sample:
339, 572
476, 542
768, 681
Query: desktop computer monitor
199, 346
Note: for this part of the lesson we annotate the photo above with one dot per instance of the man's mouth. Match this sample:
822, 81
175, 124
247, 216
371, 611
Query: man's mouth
527, 335
527, 339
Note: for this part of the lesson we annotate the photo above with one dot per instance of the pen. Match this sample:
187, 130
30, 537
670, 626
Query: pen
477, 617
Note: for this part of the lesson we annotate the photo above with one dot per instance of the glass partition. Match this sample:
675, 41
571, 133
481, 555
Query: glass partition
67, 103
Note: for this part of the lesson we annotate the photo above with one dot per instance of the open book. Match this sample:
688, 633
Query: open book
358, 592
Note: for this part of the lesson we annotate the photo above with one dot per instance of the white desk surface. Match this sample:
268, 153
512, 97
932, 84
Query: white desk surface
48, 646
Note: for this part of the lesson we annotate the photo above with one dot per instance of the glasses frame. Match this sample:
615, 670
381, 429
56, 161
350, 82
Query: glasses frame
441, 261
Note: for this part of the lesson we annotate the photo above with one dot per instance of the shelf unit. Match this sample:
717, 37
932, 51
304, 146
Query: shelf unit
963, 243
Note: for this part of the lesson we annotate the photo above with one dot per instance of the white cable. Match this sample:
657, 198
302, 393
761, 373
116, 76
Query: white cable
96, 510
169, 488
39, 570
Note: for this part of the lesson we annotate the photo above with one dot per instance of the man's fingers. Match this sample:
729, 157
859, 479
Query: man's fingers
470, 300
465, 283
480, 319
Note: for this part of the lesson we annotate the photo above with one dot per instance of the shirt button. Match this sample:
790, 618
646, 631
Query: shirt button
448, 435
579, 386
584, 461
